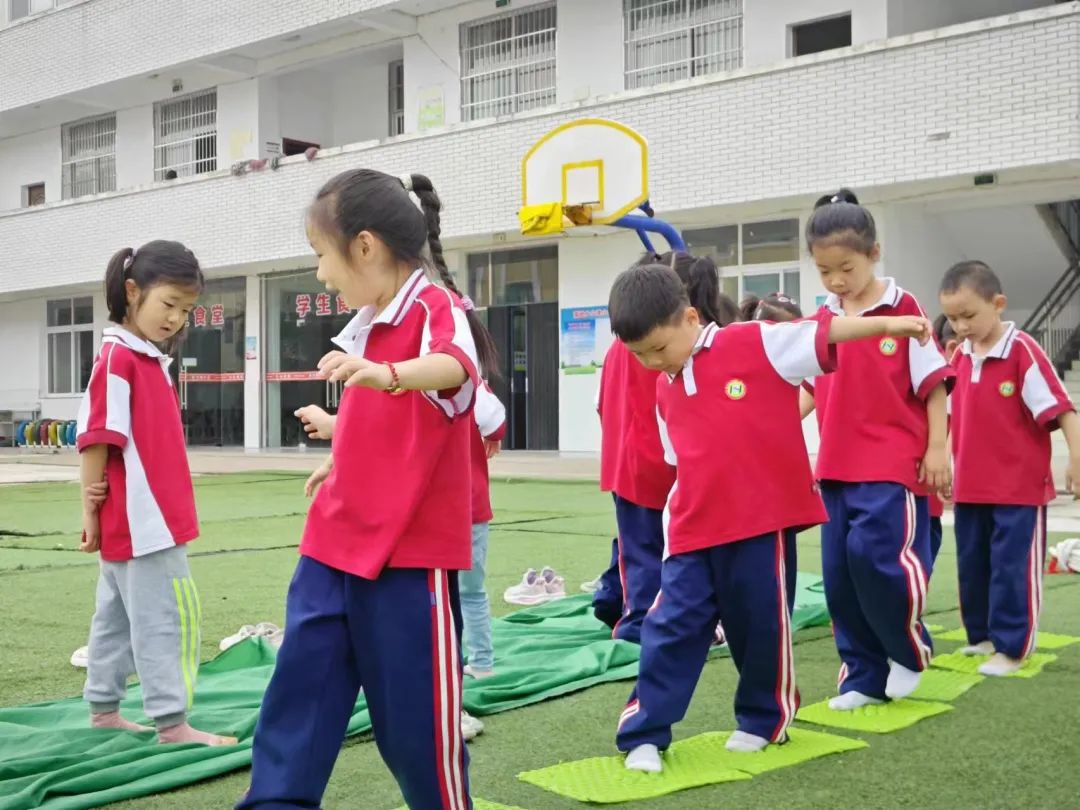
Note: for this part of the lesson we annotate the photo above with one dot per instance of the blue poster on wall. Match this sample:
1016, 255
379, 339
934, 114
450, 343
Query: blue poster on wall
585, 335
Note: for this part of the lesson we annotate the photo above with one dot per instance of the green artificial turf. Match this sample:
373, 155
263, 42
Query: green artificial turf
1006, 744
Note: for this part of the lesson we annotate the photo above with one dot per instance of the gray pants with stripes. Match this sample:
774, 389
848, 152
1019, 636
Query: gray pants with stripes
146, 622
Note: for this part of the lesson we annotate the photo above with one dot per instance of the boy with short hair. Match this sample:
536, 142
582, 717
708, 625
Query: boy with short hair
1006, 402
728, 413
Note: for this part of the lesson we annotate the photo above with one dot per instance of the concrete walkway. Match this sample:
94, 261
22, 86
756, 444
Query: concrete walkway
24, 466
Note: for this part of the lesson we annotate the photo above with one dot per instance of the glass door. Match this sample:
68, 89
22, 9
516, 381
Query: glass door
301, 318
210, 361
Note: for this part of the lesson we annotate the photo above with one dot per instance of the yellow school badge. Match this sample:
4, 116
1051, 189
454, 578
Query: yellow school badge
1007, 388
735, 389
888, 346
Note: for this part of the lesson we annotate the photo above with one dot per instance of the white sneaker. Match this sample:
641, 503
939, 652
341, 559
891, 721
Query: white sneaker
267, 630
719, 639
81, 657
470, 726
555, 587
478, 674
591, 587
532, 590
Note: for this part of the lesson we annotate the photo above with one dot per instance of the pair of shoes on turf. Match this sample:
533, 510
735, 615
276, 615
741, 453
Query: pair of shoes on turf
536, 587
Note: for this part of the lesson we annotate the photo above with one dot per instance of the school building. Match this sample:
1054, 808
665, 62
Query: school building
214, 123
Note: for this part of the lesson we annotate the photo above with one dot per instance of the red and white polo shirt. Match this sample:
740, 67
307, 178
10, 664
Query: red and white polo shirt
131, 405
400, 493
730, 423
490, 424
872, 412
631, 458
1004, 407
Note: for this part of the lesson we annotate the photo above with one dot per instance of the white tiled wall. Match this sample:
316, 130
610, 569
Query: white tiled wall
1006, 96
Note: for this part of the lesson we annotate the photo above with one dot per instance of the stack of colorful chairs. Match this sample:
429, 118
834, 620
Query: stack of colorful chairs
46, 433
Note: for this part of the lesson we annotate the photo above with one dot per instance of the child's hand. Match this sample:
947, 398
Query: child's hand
935, 471
318, 424
910, 326
311, 486
492, 448
91, 537
1072, 476
355, 371
94, 495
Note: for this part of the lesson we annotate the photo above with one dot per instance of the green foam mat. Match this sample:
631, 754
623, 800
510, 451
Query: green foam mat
970, 663
945, 685
604, 780
1044, 641
883, 718
700, 760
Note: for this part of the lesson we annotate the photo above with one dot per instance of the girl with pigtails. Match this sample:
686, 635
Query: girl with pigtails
374, 601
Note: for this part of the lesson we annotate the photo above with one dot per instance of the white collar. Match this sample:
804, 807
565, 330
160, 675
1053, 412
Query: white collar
1000, 349
393, 314
890, 297
118, 334
704, 341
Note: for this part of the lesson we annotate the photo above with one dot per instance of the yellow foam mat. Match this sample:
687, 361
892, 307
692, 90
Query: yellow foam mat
697, 761
970, 663
882, 718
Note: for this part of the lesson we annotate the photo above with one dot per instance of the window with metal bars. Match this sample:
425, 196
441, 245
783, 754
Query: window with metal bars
508, 63
89, 156
668, 40
397, 97
185, 135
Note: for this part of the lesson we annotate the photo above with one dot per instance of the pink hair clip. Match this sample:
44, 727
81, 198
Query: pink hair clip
467, 303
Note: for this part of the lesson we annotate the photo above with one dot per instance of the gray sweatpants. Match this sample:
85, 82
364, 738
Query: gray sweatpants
146, 622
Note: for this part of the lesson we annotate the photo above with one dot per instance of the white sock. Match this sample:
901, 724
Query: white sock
902, 681
1000, 665
644, 758
745, 743
852, 700
982, 648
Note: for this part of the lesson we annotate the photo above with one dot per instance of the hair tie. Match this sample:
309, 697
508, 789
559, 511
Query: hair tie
130, 260
467, 303
835, 199
406, 181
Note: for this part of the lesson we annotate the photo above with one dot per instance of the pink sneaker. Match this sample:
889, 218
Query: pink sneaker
532, 590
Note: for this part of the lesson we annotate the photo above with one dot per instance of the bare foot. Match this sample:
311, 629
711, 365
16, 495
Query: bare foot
114, 720
183, 733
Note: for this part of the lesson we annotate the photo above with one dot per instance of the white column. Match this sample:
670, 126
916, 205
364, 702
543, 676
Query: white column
253, 365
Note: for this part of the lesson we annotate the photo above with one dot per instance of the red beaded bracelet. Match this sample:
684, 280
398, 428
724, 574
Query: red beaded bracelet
394, 389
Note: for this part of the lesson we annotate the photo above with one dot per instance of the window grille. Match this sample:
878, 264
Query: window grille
668, 40
185, 135
89, 157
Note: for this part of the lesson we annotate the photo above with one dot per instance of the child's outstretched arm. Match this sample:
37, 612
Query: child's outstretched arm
432, 372
842, 330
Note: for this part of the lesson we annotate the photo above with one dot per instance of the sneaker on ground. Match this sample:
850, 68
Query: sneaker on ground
555, 587
81, 657
531, 590
479, 674
267, 630
591, 587
470, 726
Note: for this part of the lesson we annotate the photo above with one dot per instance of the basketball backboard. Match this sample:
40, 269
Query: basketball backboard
586, 172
